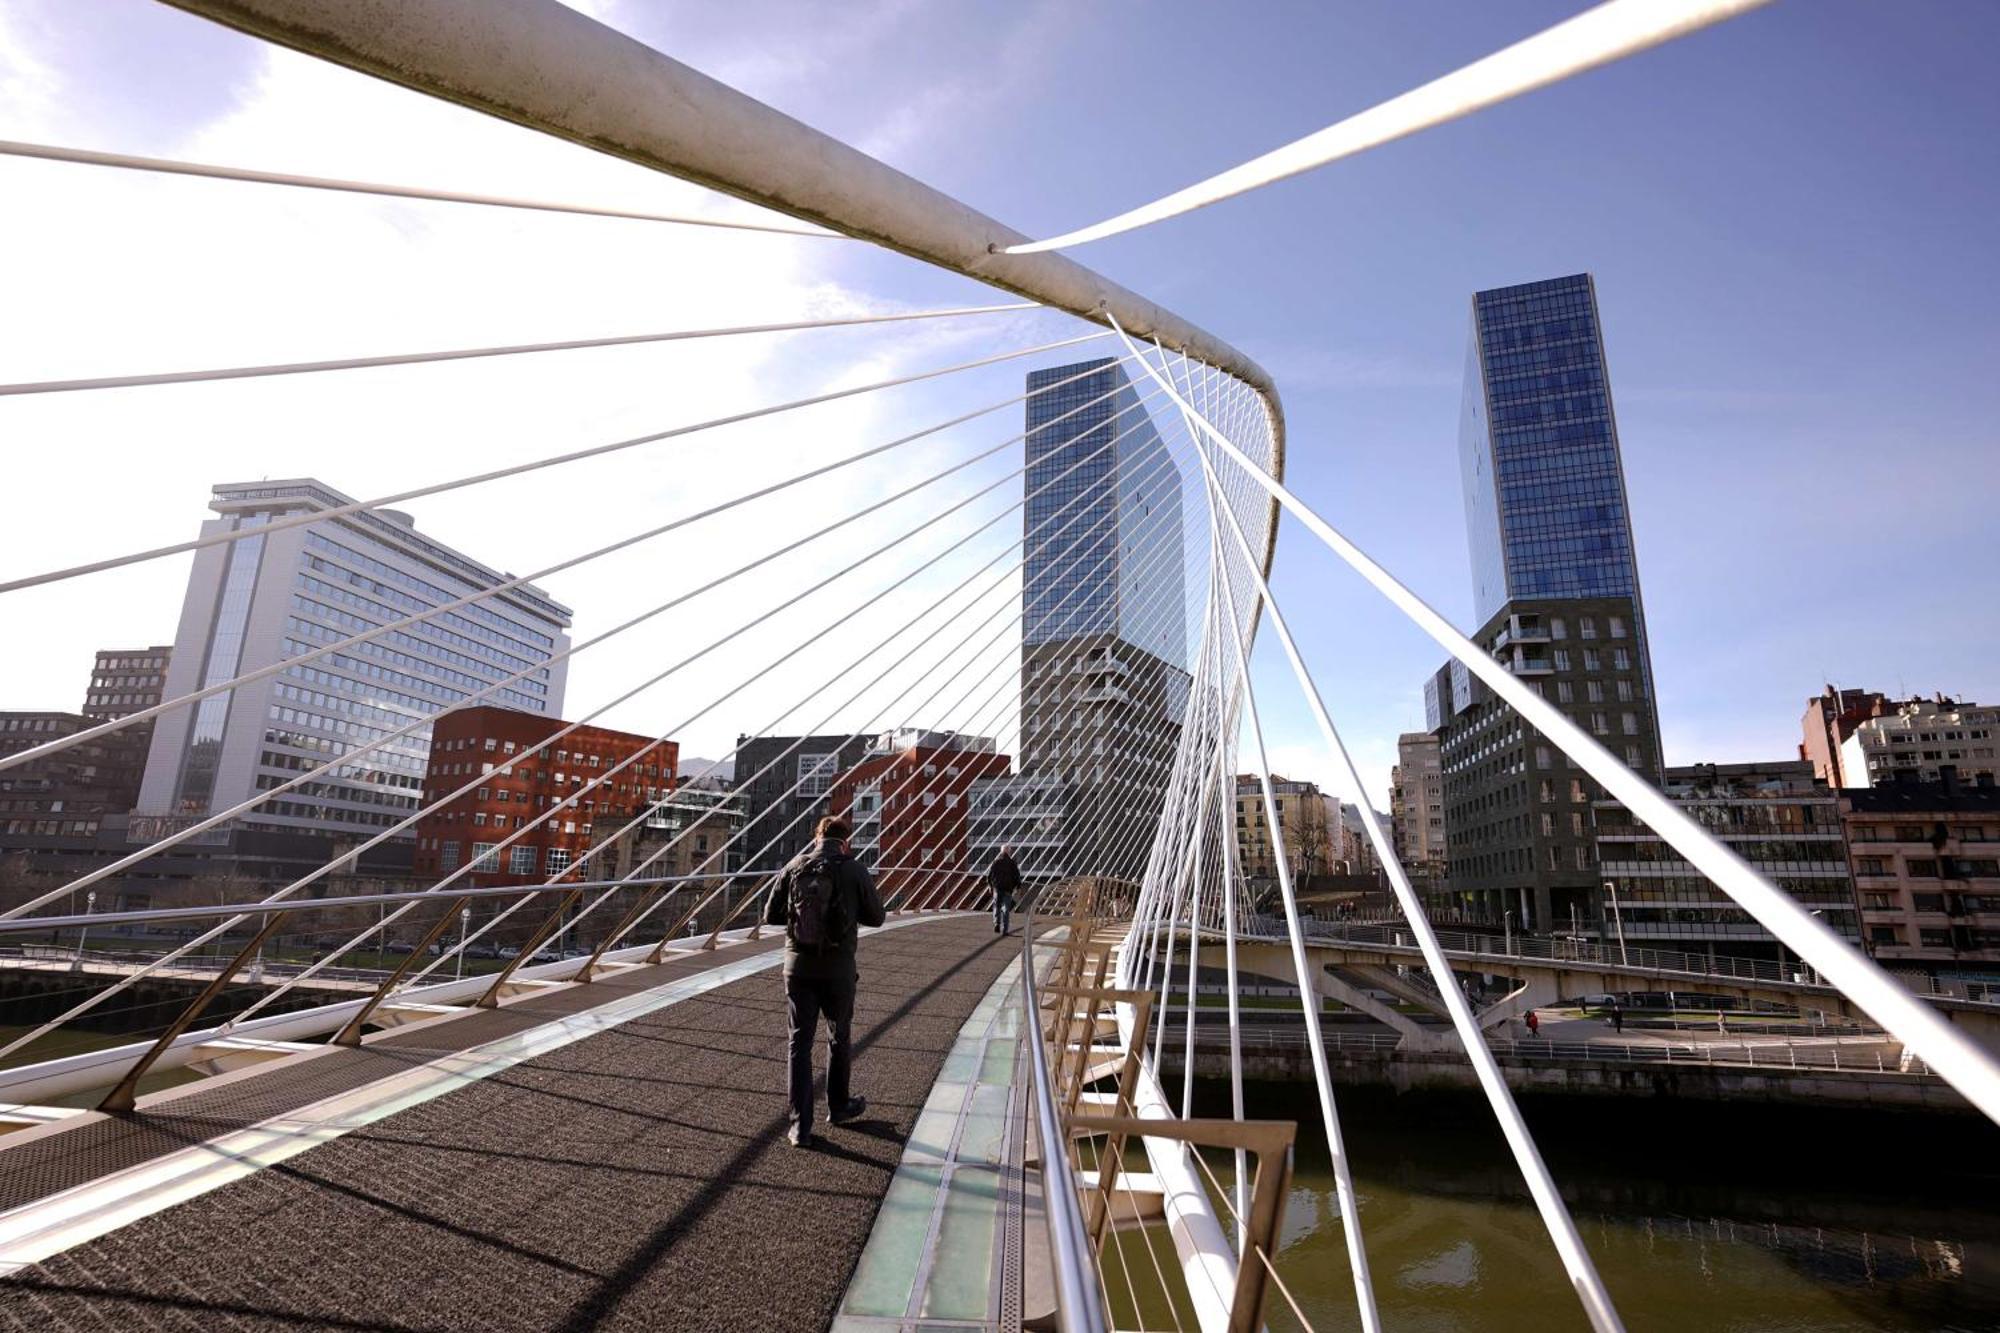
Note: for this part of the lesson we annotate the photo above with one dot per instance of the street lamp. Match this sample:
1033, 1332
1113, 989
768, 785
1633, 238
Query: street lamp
1617, 920
83, 936
1507, 929
464, 923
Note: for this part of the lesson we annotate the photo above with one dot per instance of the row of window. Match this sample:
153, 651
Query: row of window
432, 670
321, 588
357, 625
531, 638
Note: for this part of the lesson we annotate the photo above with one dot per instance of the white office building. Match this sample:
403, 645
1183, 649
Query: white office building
271, 597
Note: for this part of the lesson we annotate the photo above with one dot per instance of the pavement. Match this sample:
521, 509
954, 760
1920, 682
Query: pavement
635, 1179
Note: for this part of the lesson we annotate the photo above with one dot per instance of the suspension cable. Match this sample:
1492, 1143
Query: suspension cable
131, 162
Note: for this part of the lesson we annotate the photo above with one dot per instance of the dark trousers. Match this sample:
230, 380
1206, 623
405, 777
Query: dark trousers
807, 999
1003, 911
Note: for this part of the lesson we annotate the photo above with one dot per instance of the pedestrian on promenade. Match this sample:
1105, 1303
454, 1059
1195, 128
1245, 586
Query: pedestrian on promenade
822, 899
1004, 877
1534, 1021
1617, 1017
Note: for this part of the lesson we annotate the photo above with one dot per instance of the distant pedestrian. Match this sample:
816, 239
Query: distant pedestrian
1617, 1017
1534, 1021
1004, 877
822, 899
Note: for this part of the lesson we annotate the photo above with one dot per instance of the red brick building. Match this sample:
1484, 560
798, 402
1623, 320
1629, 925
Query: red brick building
575, 774
907, 802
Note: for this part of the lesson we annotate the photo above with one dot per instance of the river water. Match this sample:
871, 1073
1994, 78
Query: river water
1709, 1217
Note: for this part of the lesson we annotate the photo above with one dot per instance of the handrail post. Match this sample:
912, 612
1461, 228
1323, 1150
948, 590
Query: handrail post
350, 1035
491, 999
125, 1096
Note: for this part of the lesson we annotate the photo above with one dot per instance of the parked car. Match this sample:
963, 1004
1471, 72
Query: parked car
509, 951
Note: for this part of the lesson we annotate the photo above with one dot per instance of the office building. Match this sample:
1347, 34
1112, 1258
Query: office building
269, 597
1927, 865
1921, 740
66, 794
1556, 587
1025, 813
908, 802
1416, 809
125, 681
1778, 816
1104, 678
595, 779
784, 781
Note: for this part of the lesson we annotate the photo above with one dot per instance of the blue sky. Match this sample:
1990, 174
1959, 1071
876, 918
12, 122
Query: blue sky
1790, 219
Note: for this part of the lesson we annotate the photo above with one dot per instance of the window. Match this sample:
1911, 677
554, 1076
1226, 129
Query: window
1617, 627
521, 860
491, 744
1582, 854
1548, 825
1591, 661
1576, 790
1934, 939
1593, 690
485, 856
1891, 935
816, 773
1925, 866
1576, 823
1631, 756
448, 856
1586, 627
1561, 656
1871, 865
1927, 902
1542, 759
1624, 691
1621, 660
558, 860
1630, 722
1558, 628
1600, 724
1564, 694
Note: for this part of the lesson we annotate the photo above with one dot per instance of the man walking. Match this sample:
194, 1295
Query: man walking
1004, 877
822, 899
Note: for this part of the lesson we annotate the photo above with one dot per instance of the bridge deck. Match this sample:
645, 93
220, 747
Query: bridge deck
634, 1178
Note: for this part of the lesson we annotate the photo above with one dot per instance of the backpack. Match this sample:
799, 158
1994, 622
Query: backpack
816, 919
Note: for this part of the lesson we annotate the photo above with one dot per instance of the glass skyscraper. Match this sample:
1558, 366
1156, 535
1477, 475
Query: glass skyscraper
1103, 516
1545, 509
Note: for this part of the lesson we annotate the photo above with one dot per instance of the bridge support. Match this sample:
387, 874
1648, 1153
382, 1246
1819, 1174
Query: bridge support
1532, 992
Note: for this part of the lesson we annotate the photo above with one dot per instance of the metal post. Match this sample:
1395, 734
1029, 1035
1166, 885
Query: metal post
1617, 920
351, 1034
83, 935
125, 1095
491, 999
464, 925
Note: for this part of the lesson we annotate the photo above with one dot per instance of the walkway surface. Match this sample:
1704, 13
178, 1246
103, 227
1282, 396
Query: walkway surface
637, 1178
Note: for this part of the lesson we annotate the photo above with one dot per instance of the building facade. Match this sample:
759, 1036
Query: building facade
1556, 585
1303, 825
1416, 809
1927, 865
125, 681
64, 795
596, 779
908, 803
1779, 817
1920, 740
269, 597
1104, 680
784, 781
1026, 814
1830, 718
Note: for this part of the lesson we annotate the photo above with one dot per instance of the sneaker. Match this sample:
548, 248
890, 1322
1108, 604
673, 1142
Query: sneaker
852, 1111
799, 1138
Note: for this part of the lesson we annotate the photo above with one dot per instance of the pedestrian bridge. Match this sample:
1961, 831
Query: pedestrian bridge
596, 1140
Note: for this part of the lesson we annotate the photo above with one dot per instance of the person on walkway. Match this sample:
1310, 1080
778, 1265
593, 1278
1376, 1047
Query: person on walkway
1534, 1021
822, 899
1004, 877
1617, 1017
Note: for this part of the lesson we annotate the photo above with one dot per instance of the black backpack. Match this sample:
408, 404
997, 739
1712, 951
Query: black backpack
816, 919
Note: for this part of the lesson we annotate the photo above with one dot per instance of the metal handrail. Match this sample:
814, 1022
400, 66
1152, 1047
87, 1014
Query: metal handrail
1077, 1308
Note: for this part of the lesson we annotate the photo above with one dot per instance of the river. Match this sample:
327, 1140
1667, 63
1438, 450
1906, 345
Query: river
1706, 1217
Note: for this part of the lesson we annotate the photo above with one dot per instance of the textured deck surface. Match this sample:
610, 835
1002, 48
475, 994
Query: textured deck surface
636, 1179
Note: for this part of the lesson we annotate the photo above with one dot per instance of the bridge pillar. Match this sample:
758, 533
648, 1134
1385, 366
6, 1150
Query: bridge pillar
1415, 1036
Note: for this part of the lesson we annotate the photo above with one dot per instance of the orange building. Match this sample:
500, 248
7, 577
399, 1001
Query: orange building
907, 802
594, 777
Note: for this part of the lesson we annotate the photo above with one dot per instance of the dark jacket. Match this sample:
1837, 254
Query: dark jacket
1004, 876
864, 908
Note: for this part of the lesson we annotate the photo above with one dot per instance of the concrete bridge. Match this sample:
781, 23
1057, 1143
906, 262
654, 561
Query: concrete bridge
1353, 961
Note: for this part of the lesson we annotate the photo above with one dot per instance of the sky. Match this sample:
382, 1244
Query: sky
1789, 217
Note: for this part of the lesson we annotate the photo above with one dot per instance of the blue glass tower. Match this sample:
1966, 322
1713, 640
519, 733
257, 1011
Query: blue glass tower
1545, 509
1103, 516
